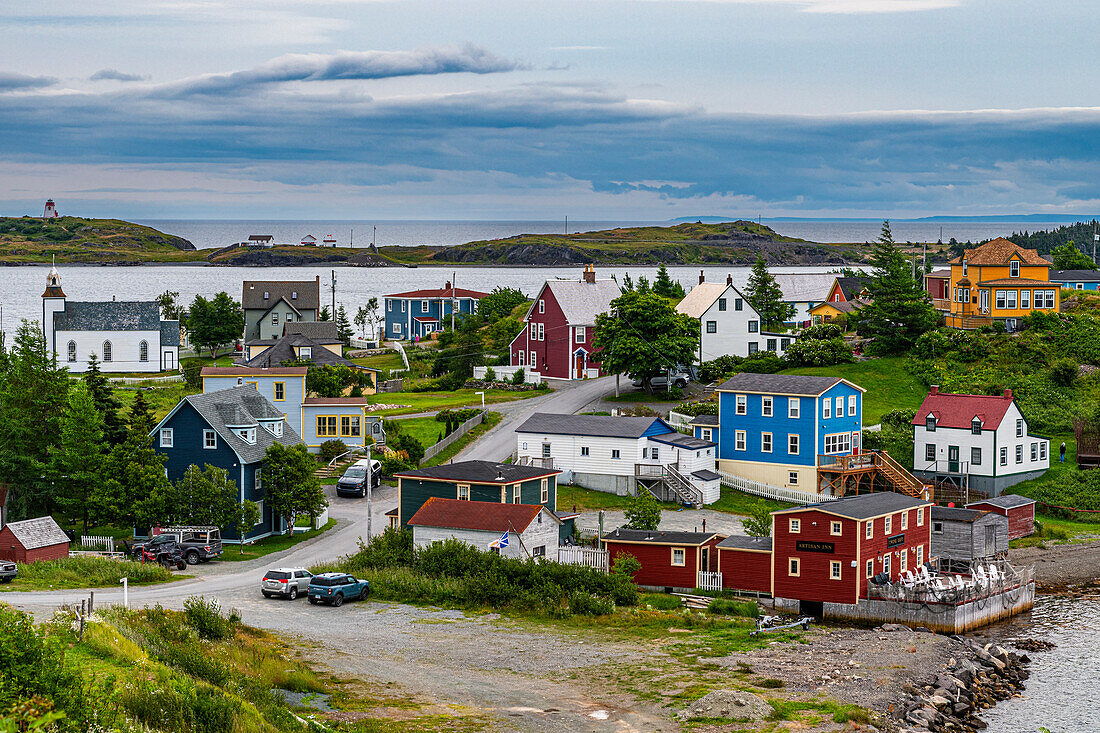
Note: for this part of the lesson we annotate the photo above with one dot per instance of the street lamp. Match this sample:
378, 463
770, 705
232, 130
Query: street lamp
482, 400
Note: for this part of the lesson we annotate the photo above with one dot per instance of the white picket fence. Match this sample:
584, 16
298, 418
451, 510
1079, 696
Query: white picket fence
709, 581
98, 542
779, 493
586, 556
680, 421
144, 380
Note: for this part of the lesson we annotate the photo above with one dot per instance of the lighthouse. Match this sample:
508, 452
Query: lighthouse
51, 211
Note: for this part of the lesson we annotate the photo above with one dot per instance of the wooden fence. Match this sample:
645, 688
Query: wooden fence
710, 581
586, 556
98, 542
779, 493
458, 433
142, 380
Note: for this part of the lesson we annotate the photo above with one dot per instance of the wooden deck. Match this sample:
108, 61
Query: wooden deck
868, 472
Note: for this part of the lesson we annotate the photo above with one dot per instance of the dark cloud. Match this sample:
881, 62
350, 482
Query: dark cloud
115, 75
10, 82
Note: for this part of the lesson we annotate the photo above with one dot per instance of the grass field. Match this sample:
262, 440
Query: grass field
88, 572
388, 361
452, 450
161, 399
889, 385
268, 545
435, 401
425, 429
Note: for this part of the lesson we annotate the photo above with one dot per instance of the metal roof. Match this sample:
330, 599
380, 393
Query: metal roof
793, 384
40, 532
955, 514
1005, 501
659, 537
481, 472
682, 441
109, 315
591, 425
744, 542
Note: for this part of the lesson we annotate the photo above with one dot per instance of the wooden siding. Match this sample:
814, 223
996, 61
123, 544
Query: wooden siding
656, 559
748, 570
519, 546
965, 541
413, 493
13, 551
875, 548
1021, 519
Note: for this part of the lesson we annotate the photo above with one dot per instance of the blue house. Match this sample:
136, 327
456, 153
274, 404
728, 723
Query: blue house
1076, 279
418, 313
774, 428
230, 429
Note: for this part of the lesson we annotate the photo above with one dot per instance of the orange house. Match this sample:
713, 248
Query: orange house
999, 281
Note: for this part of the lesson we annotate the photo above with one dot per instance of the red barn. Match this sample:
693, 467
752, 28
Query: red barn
1020, 511
670, 560
33, 540
746, 563
827, 553
560, 327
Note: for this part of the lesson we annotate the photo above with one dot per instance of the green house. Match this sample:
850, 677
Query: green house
475, 481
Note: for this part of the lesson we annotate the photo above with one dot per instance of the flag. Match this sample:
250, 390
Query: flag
500, 542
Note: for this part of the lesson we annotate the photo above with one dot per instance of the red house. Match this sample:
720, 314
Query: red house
33, 540
847, 289
1020, 511
827, 553
670, 560
746, 563
557, 340
938, 284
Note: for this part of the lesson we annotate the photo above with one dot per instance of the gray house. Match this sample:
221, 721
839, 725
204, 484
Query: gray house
270, 305
961, 537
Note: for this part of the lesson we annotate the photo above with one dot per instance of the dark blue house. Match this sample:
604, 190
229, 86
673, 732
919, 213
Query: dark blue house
418, 313
230, 429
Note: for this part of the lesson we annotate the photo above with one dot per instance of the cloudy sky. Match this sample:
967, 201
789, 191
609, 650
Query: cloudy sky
516, 109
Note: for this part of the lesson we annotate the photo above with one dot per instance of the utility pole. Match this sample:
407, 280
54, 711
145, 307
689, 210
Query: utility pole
333, 315
454, 275
352, 239
1095, 237
566, 223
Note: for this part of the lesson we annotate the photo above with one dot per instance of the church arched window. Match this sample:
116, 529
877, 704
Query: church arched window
72, 351
107, 351
143, 351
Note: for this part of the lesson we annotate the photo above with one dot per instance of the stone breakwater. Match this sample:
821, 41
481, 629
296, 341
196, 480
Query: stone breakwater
976, 681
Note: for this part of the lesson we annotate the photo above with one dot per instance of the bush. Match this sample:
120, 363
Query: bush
818, 352
192, 374
457, 416
1063, 372
626, 564
395, 462
519, 377
330, 449
205, 617
30, 664
695, 409
726, 607
490, 375
763, 362
410, 446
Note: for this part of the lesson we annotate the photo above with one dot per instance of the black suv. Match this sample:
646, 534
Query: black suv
358, 476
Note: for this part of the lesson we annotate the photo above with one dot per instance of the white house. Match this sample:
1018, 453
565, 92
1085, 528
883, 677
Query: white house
984, 438
126, 336
531, 530
728, 324
615, 454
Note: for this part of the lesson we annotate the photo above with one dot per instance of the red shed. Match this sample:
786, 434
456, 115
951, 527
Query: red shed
746, 563
1020, 511
669, 559
32, 540
826, 553
937, 284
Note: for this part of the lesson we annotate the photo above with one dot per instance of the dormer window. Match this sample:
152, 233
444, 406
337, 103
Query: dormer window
267, 295
1014, 268
305, 352
930, 423
294, 295
964, 267
976, 426
248, 435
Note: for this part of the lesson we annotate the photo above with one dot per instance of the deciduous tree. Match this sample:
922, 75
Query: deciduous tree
205, 496
247, 516
215, 322
1069, 257
289, 485
643, 335
500, 303
644, 512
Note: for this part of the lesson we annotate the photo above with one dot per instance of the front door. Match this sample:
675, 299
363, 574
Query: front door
169, 361
983, 301
704, 559
953, 458
578, 365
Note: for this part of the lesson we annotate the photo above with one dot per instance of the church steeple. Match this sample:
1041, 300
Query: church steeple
53, 283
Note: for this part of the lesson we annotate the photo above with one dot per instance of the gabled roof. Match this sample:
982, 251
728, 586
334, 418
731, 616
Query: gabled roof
959, 410
941, 274
40, 532
580, 301
324, 331
658, 537
792, 384
109, 315
239, 406
703, 295
479, 472
308, 294
800, 287
998, 252
955, 514
744, 542
594, 425
1089, 276
430, 293
705, 420
851, 287
1005, 501
242, 371
169, 333
863, 506
846, 306
284, 349
486, 516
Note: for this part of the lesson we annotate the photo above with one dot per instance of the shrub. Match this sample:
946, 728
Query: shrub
626, 564
331, 449
192, 374
410, 446
644, 512
394, 462
763, 362
519, 377
205, 617
30, 663
759, 521
586, 604
490, 375
695, 409
456, 416
727, 607
1063, 372
818, 352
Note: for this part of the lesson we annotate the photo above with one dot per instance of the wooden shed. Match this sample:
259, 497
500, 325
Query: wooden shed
961, 537
33, 540
670, 560
1020, 511
746, 563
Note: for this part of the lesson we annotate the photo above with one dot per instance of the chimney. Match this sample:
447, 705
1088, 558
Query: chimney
702, 277
729, 279
1008, 394
589, 274
935, 389
447, 286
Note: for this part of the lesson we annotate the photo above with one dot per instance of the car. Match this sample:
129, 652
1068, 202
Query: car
198, 544
678, 378
285, 582
355, 480
335, 588
8, 571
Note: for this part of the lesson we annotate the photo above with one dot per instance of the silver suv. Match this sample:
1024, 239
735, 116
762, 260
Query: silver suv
8, 571
285, 582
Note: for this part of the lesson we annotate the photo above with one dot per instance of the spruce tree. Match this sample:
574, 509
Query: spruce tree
77, 460
114, 431
900, 309
665, 286
765, 295
343, 326
136, 492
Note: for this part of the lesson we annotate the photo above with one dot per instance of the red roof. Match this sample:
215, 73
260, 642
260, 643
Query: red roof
254, 372
440, 293
425, 319
488, 516
958, 410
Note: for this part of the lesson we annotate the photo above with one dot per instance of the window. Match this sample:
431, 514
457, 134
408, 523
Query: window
248, 435
721, 304
143, 351
397, 328
975, 426
463, 492
1011, 299
1004, 456
267, 295
754, 326
615, 453
1025, 299
903, 565
107, 355
1020, 453
738, 304
260, 506
1042, 451
520, 357
869, 529
516, 493
765, 442
834, 570
793, 568
964, 267
257, 479
209, 439
784, 344
851, 405
275, 318
870, 568
72, 351
937, 527
580, 334
326, 426
929, 451
712, 326
389, 306
545, 491
930, 423
545, 450
305, 352
531, 360
792, 407
1019, 428
539, 551
423, 306
886, 564
350, 426
166, 437
886, 525
836, 528
542, 306
741, 404
403, 306
584, 450
705, 433
1048, 298
534, 336
280, 391
838, 443
1014, 268
975, 456
792, 444
1002, 299
754, 347
1034, 451
839, 409
904, 521
678, 556
278, 429
920, 555
920, 517
542, 331
766, 406
826, 408
792, 478
739, 440
771, 344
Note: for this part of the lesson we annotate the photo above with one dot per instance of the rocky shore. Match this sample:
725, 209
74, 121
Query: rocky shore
1060, 567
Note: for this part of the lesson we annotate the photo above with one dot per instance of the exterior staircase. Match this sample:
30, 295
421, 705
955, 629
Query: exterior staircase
900, 478
666, 483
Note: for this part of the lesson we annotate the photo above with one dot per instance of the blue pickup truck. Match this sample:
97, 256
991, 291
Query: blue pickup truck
335, 588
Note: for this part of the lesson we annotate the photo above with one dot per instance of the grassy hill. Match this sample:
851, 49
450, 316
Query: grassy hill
74, 239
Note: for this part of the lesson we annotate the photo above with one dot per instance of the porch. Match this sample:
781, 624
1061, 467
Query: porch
867, 472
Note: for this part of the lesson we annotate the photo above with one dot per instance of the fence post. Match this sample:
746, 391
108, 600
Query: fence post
125, 593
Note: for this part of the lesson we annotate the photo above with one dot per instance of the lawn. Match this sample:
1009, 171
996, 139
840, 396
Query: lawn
452, 450
733, 501
88, 572
389, 361
268, 545
889, 384
161, 399
425, 429
435, 401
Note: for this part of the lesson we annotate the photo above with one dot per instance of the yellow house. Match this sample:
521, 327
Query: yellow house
999, 281
829, 310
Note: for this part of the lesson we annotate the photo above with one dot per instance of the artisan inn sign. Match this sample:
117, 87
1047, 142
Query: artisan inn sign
802, 546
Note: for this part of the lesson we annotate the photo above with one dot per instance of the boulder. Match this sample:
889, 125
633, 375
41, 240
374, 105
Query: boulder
735, 704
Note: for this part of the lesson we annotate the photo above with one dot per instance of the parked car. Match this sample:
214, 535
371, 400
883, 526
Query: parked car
358, 476
197, 544
163, 550
286, 582
8, 571
678, 378
335, 588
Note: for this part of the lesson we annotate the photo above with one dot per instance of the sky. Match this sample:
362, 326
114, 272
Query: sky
523, 109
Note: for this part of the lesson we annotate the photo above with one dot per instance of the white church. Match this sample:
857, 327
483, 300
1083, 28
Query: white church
126, 336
